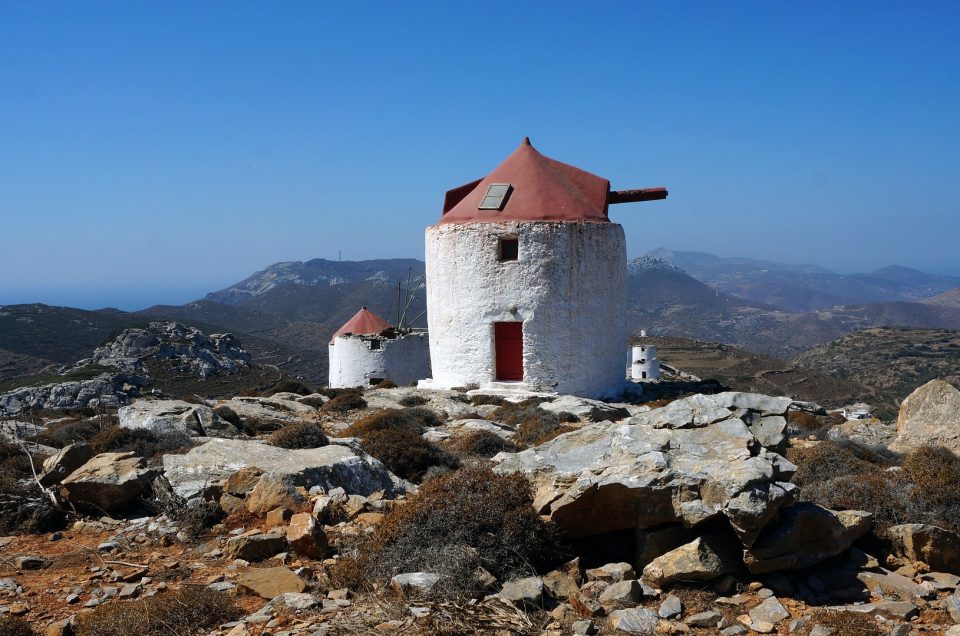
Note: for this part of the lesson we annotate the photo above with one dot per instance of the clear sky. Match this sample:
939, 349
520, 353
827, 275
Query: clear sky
153, 151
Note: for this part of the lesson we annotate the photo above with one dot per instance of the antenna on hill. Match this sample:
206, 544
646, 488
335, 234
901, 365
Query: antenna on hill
340, 255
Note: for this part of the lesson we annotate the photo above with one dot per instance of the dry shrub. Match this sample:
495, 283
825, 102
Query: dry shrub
844, 623
141, 442
413, 400
386, 384
228, 414
827, 460
406, 453
479, 444
287, 386
658, 404
479, 400
534, 425
343, 403
922, 490
14, 626
300, 435
193, 517
415, 420
314, 400
179, 613
468, 518
23, 507
65, 433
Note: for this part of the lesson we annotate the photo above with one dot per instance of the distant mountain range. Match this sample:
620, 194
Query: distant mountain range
286, 313
806, 287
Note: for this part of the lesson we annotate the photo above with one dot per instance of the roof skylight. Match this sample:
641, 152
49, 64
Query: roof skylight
496, 196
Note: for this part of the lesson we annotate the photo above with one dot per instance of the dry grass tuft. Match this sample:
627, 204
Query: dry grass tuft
14, 626
300, 435
415, 420
344, 401
479, 445
844, 623
180, 613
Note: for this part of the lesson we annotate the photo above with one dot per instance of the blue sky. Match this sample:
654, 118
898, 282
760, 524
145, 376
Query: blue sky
153, 151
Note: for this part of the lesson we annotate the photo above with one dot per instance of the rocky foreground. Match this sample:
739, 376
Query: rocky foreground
342, 513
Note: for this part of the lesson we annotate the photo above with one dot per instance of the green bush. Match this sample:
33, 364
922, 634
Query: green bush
467, 518
182, 612
405, 453
300, 435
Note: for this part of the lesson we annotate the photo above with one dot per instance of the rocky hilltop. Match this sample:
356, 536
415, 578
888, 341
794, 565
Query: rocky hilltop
123, 367
395, 510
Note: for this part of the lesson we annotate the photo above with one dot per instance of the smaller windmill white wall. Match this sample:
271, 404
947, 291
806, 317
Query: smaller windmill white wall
404, 360
644, 361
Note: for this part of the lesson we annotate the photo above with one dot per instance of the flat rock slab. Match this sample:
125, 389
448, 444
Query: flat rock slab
108, 481
269, 583
176, 416
639, 621
329, 467
929, 416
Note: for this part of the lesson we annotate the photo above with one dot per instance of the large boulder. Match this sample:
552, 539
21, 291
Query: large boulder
271, 412
108, 481
805, 534
329, 467
59, 466
176, 416
929, 416
648, 472
937, 547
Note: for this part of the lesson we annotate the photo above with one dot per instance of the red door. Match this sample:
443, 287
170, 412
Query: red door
508, 343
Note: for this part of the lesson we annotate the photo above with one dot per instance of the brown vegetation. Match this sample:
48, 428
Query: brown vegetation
141, 442
415, 420
14, 626
534, 425
300, 435
468, 518
177, 613
288, 386
479, 445
343, 403
405, 453
413, 400
848, 477
844, 623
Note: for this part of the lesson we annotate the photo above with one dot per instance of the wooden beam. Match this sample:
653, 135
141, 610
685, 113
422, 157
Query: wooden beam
631, 196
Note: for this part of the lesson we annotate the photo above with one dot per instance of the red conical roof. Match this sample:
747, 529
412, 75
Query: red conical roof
364, 322
543, 189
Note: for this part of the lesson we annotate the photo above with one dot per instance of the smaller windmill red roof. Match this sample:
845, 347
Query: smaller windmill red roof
364, 322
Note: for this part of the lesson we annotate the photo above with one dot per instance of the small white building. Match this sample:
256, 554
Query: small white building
644, 365
367, 350
526, 280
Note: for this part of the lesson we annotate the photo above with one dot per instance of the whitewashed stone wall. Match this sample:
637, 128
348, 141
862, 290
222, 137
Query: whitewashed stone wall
404, 360
645, 365
567, 286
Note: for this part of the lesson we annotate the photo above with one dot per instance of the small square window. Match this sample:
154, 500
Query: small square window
508, 248
496, 196
374, 345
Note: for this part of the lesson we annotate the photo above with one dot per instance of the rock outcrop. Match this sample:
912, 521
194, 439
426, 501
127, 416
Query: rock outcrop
690, 462
929, 416
106, 389
187, 346
329, 467
176, 416
937, 547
